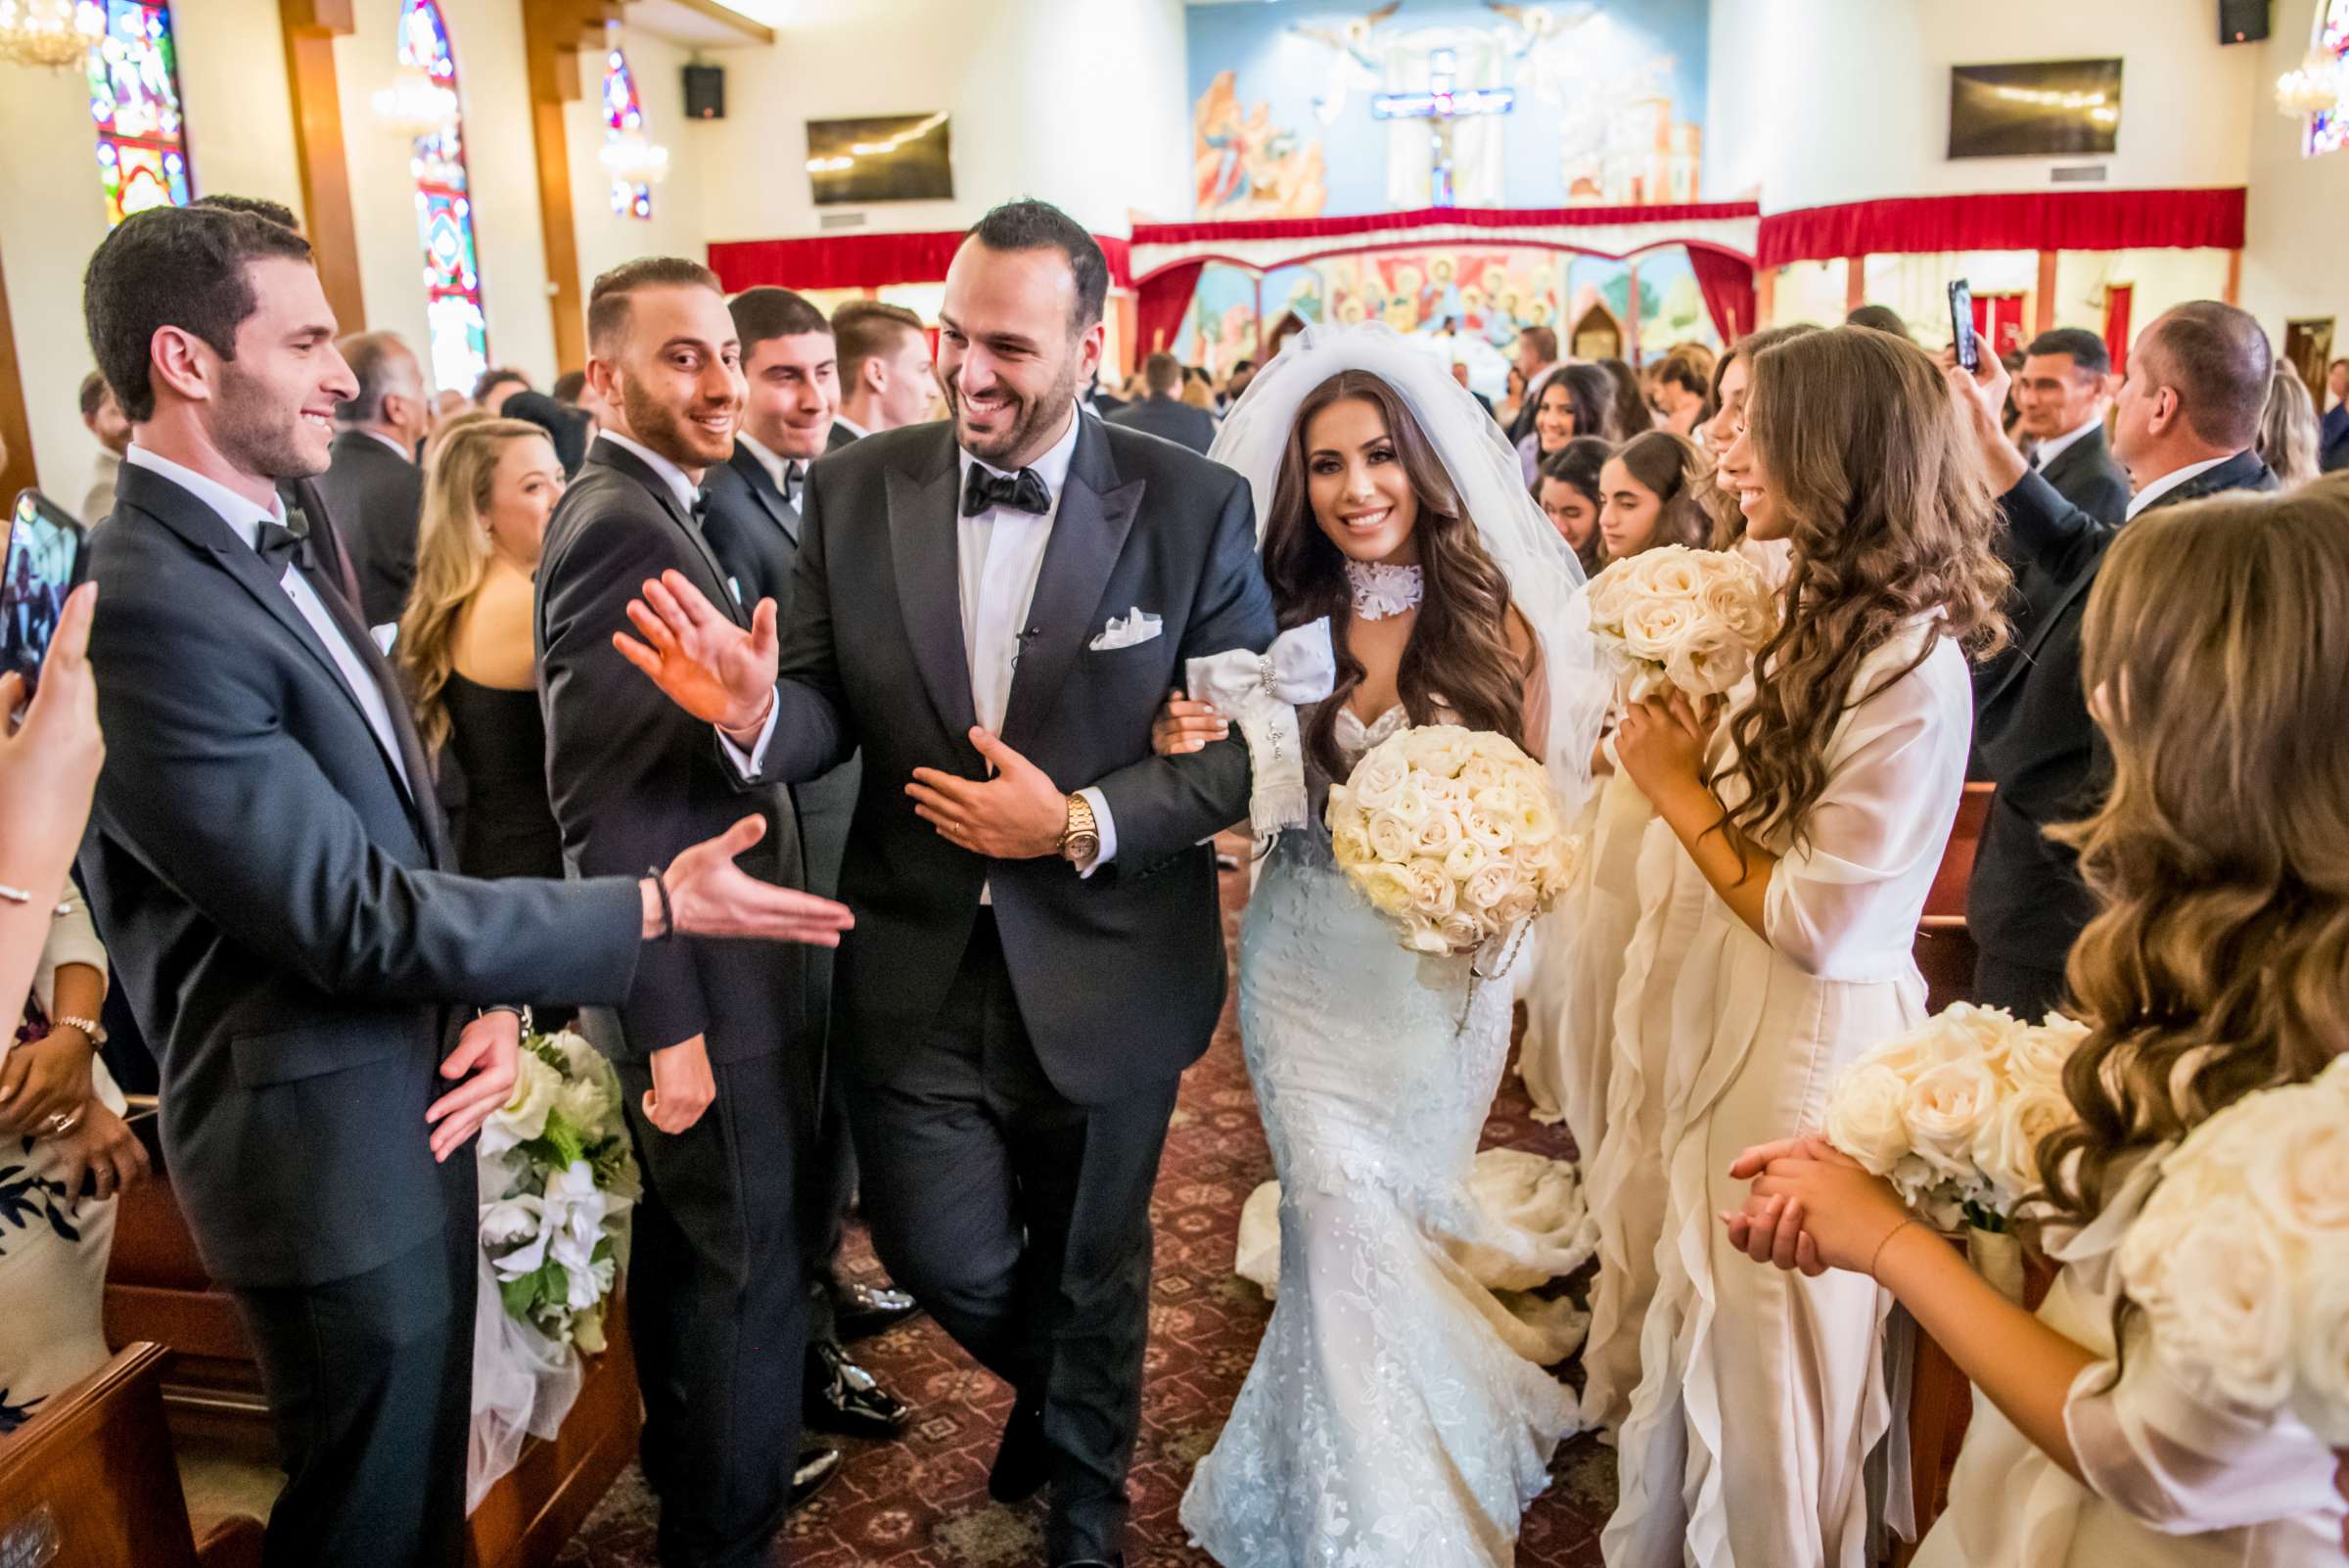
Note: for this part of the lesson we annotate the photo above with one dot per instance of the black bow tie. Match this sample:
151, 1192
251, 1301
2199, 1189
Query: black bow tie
794, 476
699, 509
1023, 492
288, 544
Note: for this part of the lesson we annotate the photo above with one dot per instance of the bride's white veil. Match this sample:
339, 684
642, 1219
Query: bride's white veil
1544, 578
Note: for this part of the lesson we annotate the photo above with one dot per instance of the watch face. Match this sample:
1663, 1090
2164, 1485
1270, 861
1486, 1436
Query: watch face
1083, 846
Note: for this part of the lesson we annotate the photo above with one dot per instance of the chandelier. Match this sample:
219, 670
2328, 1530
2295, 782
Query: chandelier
2314, 87
630, 157
42, 33
414, 105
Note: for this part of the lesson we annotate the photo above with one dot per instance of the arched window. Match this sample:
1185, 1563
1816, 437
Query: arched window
134, 97
2328, 132
623, 118
452, 279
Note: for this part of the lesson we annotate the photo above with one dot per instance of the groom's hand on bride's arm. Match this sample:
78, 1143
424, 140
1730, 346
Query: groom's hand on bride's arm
1019, 814
705, 664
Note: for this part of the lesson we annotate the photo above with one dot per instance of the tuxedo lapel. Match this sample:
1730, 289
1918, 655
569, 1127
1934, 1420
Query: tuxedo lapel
925, 547
762, 485
1088, 533
622, 461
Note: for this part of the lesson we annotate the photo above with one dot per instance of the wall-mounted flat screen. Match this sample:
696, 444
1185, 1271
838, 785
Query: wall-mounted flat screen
892, 157
2043, 109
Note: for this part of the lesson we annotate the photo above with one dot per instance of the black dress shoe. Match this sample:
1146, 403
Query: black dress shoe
1119, 1562
1023, 1459
816, 1467
859, 1311
842, 1398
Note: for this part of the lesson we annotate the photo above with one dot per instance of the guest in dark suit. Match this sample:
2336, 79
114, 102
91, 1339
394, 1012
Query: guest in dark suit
885, 376
2061, 393
373, 486
2187, 415
717, 1283
2332, 431
1161, 412
270, 871
992, 608
1537, 362
788, 360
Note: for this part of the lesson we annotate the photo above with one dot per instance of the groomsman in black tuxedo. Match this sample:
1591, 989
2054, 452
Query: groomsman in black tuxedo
268, 865
2061, 393
752, 527
992, 610
2188, 416
712, 1039
887, 380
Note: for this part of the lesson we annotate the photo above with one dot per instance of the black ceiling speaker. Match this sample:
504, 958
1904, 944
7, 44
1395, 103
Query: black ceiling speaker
2243, 21
705, 92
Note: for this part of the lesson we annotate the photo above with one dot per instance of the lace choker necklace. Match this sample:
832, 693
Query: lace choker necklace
1381, 591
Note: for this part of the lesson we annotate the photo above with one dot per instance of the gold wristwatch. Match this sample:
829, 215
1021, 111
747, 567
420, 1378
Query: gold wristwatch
1081, 840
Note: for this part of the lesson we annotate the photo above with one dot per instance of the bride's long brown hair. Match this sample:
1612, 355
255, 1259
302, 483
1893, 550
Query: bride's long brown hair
1859, 439
1459, 647
2217, 645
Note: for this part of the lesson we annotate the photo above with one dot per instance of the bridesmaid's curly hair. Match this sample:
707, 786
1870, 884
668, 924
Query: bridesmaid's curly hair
1891, 517
1460, 648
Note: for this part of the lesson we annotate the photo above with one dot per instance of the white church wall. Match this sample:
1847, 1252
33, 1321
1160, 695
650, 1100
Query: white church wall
2296, 252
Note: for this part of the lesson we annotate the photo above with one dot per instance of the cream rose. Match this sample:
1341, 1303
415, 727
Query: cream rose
1466, 858
1864, 1116
1391, 839
2007, 1148
1944, 1107
1409, 805
1432, 893
1673, 572
1388, 885
1490, 831
1440, 832
1462, 932
1350, 844
1422, 934
2323, 1401
2224, 1303
1708, 660
2300, 1175
1377, 780
2037, 1053
1737, 600
1492, 883
1653, 627
1439, 749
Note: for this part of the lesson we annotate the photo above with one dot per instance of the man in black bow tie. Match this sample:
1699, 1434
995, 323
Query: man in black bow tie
1040, 954
723, 1072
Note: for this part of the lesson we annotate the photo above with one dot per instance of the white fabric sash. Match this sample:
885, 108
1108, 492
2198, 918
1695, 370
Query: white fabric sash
1262, 693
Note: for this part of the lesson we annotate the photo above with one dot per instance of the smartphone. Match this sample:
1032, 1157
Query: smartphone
42, 565
1961, 324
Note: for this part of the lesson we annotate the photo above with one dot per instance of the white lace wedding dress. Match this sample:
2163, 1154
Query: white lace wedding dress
1393, 1416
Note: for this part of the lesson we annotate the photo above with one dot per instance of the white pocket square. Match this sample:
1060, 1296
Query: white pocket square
1135, 627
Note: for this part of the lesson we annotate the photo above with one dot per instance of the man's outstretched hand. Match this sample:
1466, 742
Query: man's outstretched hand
710, 666
709, 896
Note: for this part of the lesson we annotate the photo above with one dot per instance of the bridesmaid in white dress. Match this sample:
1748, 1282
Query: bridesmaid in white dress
1390, 1419
2213, 969
1817, 832
1623, 991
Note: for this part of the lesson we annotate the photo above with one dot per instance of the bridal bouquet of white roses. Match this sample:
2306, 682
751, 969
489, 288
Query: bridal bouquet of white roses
1952, 1112
1452, 834
1675, 617
557, 1183
2240, 1257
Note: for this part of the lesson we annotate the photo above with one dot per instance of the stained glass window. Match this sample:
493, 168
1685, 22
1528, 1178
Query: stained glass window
2328, 132
623, 117
452, 280
134, 97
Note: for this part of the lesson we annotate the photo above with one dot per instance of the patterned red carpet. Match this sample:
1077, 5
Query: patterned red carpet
922, 1502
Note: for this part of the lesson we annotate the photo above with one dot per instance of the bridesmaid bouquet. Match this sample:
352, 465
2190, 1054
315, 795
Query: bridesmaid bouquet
1951, 1113
2240, 1257
1679, 617
557, 1183
1452, 833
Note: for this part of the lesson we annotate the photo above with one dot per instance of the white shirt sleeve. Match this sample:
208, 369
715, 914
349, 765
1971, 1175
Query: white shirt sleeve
748, 763
1108, 827
1844, 903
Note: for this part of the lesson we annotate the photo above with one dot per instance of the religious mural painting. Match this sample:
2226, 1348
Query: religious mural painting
134, 100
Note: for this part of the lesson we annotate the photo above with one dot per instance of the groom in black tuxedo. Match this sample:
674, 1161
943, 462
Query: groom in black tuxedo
993, 609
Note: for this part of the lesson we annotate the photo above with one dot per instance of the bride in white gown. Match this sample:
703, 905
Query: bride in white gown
1391, 1415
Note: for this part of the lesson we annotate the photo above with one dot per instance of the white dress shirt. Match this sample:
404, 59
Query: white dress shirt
244, 519
1000, 553
685, 491
777, 467
2052, 447
850, 426
2169, 481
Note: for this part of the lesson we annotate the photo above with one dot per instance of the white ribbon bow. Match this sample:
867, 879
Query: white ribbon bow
1262, 693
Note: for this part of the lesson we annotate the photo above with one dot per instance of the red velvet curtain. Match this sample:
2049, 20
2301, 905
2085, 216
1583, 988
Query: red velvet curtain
1728, 284
2034, 220
858, 261
1159, 305
2118, 299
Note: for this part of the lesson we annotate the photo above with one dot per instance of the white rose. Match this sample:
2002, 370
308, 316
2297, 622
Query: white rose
1608, 593
2300, 1173
1391, 839
2007, 1149
1388, 887
1734, 598
572, 1047
1466, 858
1350, 846
1482, 774
1492, 883
1536, 822
1503, 800
536, 1087
1495, 746
1441, 832
1864, 1116
2036, 1054
1377, 780
1675, 572
1462, 932
2323, 1399
1489, 830
2223, 1310
1707, 661
1410, 804
1944, 1107
1955, 1034
1420, 933
1653, 627
1522, 900
1432, 893
1440, 749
